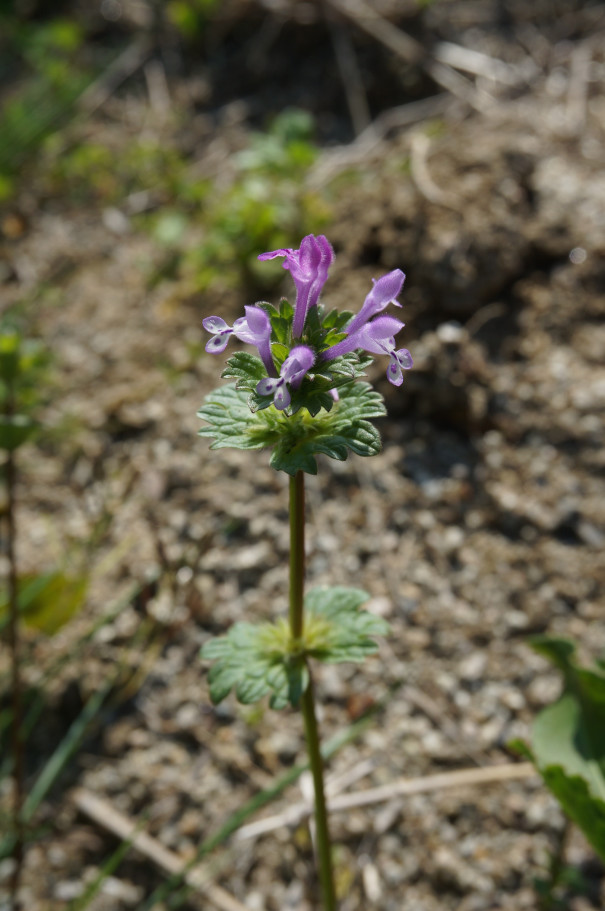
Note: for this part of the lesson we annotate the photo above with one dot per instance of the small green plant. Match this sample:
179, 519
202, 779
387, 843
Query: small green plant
568, 749
190, 17
301, 397
44, 97
92, 172
265, 207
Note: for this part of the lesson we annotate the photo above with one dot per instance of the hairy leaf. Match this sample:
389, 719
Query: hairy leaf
255, 660
344, 632
296, 439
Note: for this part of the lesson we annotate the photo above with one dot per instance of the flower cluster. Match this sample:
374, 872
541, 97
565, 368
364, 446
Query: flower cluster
367, 331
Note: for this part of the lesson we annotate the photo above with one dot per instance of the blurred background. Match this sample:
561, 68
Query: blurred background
149, 151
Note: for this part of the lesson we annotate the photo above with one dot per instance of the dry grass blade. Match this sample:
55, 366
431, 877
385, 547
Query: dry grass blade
401, 788
105, 815
410, 50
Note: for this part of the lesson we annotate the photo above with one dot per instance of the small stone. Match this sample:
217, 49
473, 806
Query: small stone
371, 882
68, 889
473, 667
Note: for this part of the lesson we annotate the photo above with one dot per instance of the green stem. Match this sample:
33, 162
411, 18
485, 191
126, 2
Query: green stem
324, 844
297, 553
297, 580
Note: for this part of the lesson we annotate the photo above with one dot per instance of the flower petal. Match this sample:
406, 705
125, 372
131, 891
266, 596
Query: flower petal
382, 327
296, 365
214, 324
394, 374
404, 358
281, 399
258, 322
383, 293
274, 253
218, 343
268, 385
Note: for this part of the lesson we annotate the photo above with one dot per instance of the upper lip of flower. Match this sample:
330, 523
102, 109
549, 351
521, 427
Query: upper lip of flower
309, 267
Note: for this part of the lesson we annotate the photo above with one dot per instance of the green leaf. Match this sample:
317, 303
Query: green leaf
10, 356
246, 368
47, 601
568, 741
336, 630
296, 439
15, 430
253, 661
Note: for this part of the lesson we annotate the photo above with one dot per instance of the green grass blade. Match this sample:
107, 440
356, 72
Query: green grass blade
61, 756
37, 704
110, 866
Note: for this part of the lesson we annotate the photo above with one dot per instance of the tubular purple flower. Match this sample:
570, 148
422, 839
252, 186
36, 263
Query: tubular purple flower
309, 267
370, 337
259, 334
374, 340
292, 372
383, 293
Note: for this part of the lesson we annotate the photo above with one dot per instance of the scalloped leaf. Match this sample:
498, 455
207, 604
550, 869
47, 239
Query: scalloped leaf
296, 439
250, 661
347, 633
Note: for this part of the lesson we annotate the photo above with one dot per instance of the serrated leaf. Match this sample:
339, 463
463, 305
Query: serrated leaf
280, 352
246, 368
332, 600
251, 688
286, 310
337, 319
558, 651
576, 798
519, 747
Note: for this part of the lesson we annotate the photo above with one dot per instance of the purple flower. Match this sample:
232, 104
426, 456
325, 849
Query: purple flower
254, 329
259, 334
292, 373
309, 268
377, 335
370, 337
383, 293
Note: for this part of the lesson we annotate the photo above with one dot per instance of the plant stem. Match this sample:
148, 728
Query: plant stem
297, 553
324, 844
13, 640
297, 580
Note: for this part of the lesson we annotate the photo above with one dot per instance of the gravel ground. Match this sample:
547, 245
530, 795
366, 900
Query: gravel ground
481, 523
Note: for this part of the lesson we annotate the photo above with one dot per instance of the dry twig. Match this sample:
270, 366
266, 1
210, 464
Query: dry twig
105, 815
368, 20
402, 788
419, 148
